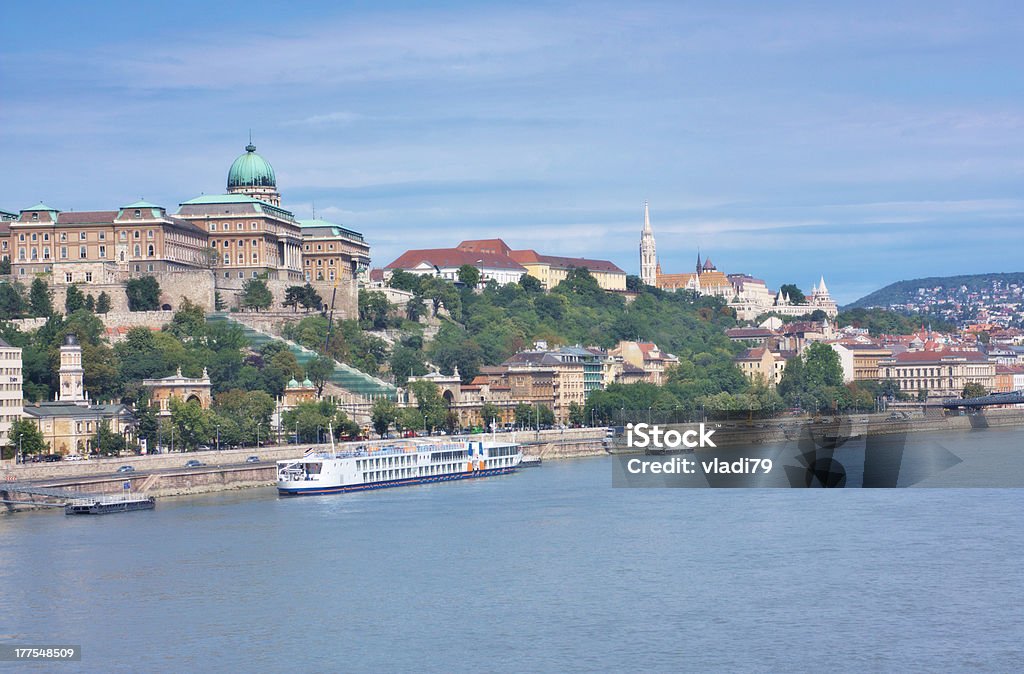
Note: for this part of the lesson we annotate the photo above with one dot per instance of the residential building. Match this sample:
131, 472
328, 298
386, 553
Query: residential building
938, 373
764, 365
11, 396
646, 356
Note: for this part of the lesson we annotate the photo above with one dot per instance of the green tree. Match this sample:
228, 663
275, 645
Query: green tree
193, 426
531, 284
429, 403
26, 438
974, 390
576, 414
143, 294
12, 300
373, 309
469, 275
293, 296
403, 280
218, 302
40, 299
103, 303
310, 298
490, 413
256, 295
107, 442
74, 300
5, 266
405, 363
311, 420
382, 415
319, 370
243, 416
822, 367
409, 419
90, 303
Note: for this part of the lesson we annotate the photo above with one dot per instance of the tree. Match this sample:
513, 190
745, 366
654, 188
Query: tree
242, 417
12, 300
310, 298
256, 295
634, 284
143, 294
576, 414
40, 299
409, 419
5, 266
469, 275
974, 390
293, 296
490, 413
26, 438
429, 403
90, 303
192, 424
382, 415
405, 363
189, 321
403, 280
319, 370
822, 366
74, 300
218, 302
531, 284
373, 309
107, 442
103, 303
796, 296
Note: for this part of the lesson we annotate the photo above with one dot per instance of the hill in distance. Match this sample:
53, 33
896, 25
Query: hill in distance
902, 292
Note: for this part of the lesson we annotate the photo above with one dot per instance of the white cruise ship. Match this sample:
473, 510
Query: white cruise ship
395, 463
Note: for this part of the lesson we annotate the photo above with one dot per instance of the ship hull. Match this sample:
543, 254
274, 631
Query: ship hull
284, 490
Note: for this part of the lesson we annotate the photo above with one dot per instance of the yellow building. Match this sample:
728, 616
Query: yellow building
11, 400
763, 364
187, 389
331, 252
938, 373
551, 270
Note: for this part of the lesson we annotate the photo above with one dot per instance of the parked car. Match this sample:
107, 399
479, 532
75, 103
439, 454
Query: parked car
194, 463
50, 458
252, 459
126, 469
73, 457
203, 448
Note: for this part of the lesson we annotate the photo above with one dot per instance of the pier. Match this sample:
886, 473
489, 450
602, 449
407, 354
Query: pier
75, 502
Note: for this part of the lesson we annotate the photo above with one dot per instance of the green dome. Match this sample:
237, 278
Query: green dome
251, 170
292, 383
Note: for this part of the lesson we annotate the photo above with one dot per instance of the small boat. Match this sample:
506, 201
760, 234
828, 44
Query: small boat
530, 461
107, 506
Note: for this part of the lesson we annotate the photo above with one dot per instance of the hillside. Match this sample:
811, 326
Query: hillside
903, 292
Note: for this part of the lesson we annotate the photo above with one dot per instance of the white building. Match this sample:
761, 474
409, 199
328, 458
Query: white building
11, 402
648, 252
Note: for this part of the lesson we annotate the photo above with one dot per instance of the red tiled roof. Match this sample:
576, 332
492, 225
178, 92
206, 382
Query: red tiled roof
453, 257
559, 261
496, 246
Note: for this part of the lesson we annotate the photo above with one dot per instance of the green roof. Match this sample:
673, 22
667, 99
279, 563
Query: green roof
40, 207
142, 204
336, 230
251, 170
222, 199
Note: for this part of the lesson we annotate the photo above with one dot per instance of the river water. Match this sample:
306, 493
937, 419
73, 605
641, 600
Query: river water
550, 569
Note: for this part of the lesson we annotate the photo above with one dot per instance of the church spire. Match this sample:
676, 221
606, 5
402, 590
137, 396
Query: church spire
648, 252
698, 261
647, 219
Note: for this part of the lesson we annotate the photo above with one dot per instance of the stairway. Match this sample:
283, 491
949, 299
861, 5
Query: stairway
344, 376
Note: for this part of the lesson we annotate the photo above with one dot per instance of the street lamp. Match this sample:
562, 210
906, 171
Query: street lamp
218, 437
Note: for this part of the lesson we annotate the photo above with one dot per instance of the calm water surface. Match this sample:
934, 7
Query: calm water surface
547, 570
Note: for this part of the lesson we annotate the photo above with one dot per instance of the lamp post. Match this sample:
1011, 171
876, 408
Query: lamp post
218, 437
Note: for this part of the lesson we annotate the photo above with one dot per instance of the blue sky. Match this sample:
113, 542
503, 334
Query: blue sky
869, 141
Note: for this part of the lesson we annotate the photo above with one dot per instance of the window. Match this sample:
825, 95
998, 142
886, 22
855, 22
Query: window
35, 254
103, 236
319, 246
21, 237
123, 236
83, 252
88, 277
255, 275
46, 237
137, 267
81, 236
241, 274
226, 243
227, 260
254, 242
149, 233
227, 275
150, 267
138, 250
307, 263
35, 237
253, 226
331, 262
63, 236
103, 251
213, 244
138, 213
255, 257
330, 275
35, 217
241, 257
213, 226
68, 277
46, 253
150, 250
135, 234
240, 226
319, 263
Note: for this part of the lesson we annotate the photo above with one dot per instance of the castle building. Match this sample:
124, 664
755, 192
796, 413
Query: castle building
331, 252
648, 252
104, 246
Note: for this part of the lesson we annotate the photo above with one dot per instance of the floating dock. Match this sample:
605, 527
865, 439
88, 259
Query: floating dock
78, 503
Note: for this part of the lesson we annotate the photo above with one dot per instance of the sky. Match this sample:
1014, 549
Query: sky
868, 142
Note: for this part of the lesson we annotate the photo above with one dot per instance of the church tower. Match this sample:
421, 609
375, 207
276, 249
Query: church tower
648, 254
72, 389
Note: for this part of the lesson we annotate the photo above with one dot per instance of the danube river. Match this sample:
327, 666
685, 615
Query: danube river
550, 569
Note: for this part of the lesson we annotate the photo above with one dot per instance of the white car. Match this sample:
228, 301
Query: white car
73, 457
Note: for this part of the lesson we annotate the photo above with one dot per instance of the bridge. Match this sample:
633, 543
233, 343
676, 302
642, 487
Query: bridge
1009, 398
